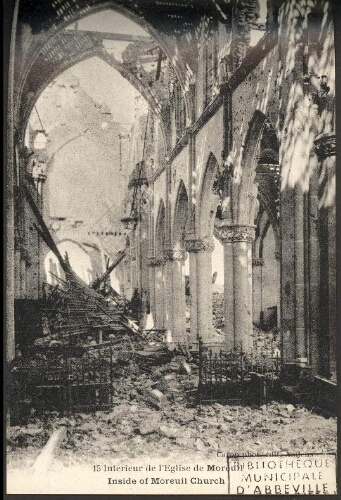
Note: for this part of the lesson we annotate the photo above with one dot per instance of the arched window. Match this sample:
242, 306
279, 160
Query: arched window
210, 68
179, 108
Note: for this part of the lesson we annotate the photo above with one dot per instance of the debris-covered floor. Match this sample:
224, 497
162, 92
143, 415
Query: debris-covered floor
135, 430
154, 415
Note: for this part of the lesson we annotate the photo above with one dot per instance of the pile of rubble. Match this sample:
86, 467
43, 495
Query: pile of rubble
155, 414
142, 427
265, 342
164, 381
152, 380
218, 310
89, 341
77, 314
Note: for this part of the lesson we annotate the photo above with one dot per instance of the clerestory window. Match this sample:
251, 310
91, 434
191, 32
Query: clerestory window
210, 69
180, 110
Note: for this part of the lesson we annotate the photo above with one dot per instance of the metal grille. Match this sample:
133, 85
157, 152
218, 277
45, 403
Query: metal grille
236, 377
64, 385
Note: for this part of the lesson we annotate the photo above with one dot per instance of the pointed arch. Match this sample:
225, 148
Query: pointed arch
259, 126
160, 230
208, 201
39, 65
125, 72
180, 216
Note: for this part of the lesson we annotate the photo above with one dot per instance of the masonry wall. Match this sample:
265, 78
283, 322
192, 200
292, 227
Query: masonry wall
285, 86
209, 139
266, 278
179, 173
159, 193
258, 91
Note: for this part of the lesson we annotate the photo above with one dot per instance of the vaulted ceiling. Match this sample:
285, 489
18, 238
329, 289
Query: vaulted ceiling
45, 48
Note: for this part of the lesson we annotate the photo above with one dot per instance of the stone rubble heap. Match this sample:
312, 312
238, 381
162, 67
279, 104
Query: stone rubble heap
154, 415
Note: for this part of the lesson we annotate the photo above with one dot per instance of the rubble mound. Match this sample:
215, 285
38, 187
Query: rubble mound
76, 314
137, 428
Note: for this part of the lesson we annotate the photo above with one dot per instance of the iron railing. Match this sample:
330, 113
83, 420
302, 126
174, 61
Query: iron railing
64, 385
236, 377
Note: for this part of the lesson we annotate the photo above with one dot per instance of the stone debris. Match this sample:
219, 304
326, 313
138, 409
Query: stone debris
156, 398
185, 368
290, 408
148, 427
170, 432
200, 445
156, 413
136, 428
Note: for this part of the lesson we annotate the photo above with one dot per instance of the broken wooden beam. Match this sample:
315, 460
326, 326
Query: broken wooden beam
45, 459
96, 283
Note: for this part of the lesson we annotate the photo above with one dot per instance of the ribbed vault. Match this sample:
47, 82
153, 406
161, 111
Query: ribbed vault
44, 48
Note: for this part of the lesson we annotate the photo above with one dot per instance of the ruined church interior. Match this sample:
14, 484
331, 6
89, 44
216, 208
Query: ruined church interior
171, 203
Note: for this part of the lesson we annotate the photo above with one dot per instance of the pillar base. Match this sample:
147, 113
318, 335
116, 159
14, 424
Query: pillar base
297, 383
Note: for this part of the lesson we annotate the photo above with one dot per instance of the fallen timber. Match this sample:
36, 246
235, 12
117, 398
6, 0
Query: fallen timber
74, 299
98, 281
77, 309
43, 231
88, 337
46, 457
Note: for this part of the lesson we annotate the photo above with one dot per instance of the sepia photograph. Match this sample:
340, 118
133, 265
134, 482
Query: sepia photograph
170, 238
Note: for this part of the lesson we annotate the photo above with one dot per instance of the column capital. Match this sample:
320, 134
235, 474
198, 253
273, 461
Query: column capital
234, 233
155, 261
257, 262
175, 254
198, 245
325, 145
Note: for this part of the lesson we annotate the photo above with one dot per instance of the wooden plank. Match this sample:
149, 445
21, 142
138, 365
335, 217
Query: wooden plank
45, 459
119, 257
104, 35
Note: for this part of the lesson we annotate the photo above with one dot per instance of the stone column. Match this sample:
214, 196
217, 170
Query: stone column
299, 279
168, 294
157, 291
151, 275
278, 260
201, 287
144, 280
125, 286
190, 232
325, 149
41, 246
176, 295
133, 263
237, 240
287, 263
229, 299
193, 297
257, 289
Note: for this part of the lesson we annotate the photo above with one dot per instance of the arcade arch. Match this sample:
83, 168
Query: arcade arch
241, 211
176, 258
158, 268
54, 52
